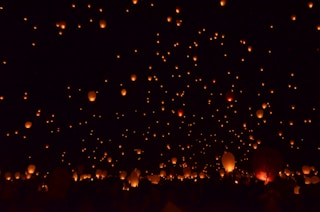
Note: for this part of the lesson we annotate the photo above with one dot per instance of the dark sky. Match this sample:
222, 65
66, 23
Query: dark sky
211, 41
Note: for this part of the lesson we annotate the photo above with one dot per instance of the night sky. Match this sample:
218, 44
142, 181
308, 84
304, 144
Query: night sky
162, 72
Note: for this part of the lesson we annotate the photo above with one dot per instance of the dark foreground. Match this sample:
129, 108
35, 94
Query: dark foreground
205, 195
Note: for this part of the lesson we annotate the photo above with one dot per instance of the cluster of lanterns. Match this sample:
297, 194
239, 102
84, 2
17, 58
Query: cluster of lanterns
18, 175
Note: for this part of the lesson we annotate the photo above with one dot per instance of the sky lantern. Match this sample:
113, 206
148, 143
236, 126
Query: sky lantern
223, 3
92, 96
267, 162
306, 169
174, 160
187, 172
307, 180
264, 105
180, 112
162, 173
122, 175
259, 114
229, 96
123, 92
133, 77
98, 173
17, 175
8, 175
221, 172
315, 179
133, 179
134, 1
28, 124
154, 179
228, 161
202, 175
296, 190
103, 24
31, 169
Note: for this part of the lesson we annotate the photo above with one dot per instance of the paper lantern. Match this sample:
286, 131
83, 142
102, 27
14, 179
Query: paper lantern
133, 77
180, 112
228, 161
103, 24
202, 175
31, 169
123, 175
174, 160
187, 172
162, 173
123, 92
306, 169
264, 105
28, 124
92, 96
229, 96
8, 175
315, 179
98, 173
296, 190
259, 113
154, 179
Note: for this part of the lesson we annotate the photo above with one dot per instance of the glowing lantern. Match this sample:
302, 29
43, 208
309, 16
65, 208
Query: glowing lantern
264, 105
17, 175
187, 172
31, 169
92, 96
133, 77
123, 175
174, 160
306, 169
104, 174
169, 19
267, 163
228, 161
223, 3
307, 180
7, 175
259, 114
229, 96
162, 173
315, 179
221, 172
28, 124
133, 179
296, 190
123, 92
135, 1
154, 179
180, 112
202, 175
98, 173
103, 24
75, 176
